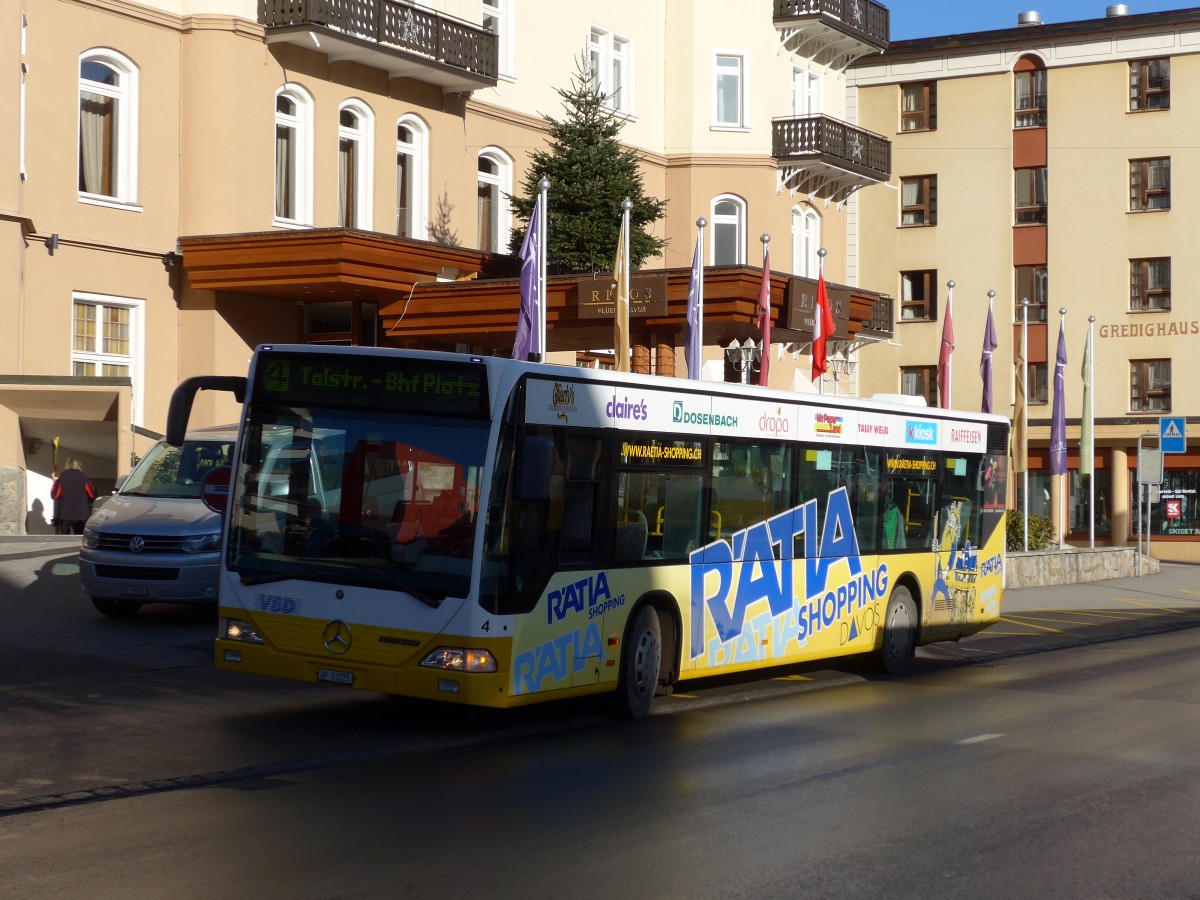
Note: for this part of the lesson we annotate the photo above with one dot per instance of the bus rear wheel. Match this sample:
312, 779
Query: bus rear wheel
899, 632
641, 660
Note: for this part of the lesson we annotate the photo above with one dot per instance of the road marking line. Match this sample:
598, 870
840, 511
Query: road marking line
1186, 591
1166, 609
979, 739
1113, 614
1017, 621
792, 678
683, 696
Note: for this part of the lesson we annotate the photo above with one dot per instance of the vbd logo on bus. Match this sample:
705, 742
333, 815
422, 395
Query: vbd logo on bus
730, 580
924, 433
682, 416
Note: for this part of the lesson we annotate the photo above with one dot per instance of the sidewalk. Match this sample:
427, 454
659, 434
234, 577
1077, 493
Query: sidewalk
1034, 620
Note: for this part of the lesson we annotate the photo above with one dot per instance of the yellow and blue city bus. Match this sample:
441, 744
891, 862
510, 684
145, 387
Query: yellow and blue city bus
495, 532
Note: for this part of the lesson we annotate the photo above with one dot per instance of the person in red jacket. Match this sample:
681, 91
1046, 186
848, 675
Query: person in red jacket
72, 494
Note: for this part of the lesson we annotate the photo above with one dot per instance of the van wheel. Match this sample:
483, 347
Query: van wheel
640, 663
899, 632
116, 608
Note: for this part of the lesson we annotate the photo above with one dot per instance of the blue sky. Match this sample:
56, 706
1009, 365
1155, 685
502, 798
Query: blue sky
930, 18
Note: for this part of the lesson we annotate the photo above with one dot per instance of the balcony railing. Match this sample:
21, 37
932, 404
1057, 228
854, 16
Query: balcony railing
394, 26
834, 142
882, 321
871, 20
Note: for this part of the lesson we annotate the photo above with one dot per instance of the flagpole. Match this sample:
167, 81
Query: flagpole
543, 189
821, 251
700, 225
950, 357
1062, 541
1025, 403
1091, 436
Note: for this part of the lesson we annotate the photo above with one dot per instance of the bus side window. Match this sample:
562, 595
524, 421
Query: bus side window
579, 498
682, 520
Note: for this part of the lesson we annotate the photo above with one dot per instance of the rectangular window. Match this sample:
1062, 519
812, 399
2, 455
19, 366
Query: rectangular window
807, 90
1149, 284
1032, 285
918, 295
610, 57
1150, 84
496, 17
105, 341
920, 381
918, 200
728, 90
1038, 387
918, 106
748, 485
1030, 99
1031, 196
1149, 385
1149, 184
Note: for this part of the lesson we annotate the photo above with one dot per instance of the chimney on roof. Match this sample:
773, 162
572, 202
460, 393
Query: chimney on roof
1025, 19
1117, 9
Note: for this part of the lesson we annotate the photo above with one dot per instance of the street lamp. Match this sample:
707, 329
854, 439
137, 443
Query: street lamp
745, 358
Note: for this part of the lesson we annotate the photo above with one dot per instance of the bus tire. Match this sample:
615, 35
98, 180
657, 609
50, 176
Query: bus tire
116, 608
899, 632
641, 660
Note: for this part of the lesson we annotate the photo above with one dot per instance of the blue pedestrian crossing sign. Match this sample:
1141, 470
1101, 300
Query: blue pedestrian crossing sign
1172, 434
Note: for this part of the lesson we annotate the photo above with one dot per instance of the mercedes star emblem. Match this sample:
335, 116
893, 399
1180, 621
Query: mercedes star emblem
337, 637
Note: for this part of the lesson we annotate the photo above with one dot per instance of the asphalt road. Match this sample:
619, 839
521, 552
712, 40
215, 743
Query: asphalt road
131, 768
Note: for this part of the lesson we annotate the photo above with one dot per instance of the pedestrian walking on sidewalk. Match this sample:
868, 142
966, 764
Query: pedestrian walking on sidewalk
73, 494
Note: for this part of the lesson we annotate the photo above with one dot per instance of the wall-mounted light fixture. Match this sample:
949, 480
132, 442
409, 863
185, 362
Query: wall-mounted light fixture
170, 259
52, 243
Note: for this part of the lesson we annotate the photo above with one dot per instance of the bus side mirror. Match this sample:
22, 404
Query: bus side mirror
535, 457
181, 400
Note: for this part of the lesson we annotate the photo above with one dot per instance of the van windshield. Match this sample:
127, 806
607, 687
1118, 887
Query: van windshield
168, 471
355, 497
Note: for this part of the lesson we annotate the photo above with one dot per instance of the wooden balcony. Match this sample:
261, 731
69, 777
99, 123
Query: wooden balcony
827, 157
405, 41
882, 322
832, 33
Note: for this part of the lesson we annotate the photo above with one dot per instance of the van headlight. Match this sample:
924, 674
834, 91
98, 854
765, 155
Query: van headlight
202, 542
459, 659
91, 538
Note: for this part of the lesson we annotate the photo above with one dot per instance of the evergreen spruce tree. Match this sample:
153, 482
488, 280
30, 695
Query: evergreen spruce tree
589, 177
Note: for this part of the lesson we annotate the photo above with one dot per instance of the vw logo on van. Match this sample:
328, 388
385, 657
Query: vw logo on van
137, 544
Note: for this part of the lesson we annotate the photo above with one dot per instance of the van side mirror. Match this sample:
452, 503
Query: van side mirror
535, 462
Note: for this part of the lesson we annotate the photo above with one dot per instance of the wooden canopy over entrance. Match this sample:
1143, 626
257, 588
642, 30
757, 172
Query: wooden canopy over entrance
477, 299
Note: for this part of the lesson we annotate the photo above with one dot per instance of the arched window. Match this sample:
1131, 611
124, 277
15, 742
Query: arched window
412, 178
355, 165
293, 156
1029, 93
108, 108
806, 240
728, 231
493, 214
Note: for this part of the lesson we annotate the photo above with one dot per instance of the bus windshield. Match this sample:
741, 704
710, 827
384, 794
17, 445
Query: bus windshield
353, 497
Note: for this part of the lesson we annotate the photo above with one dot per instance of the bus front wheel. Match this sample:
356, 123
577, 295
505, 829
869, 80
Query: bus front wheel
641, 660
899, 632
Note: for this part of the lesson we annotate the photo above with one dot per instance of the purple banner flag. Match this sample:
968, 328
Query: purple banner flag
1058, 416
695, 336
985, 362
527, 320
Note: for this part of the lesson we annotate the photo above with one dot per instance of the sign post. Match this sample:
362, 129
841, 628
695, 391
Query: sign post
1150, 475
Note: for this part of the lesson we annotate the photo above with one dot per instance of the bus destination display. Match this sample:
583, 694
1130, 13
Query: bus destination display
398, 384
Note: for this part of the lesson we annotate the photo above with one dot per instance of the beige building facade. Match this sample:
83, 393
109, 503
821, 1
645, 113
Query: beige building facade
1056, 163
186, 179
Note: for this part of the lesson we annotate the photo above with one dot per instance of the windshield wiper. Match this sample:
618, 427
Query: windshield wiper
255, 578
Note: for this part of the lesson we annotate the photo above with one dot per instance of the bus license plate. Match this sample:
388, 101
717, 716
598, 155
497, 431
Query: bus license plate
335, 677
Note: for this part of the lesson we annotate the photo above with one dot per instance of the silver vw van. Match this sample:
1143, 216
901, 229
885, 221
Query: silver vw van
155, 540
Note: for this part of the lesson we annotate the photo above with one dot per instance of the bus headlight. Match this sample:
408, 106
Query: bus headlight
459, 659
201, 543
237, 630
